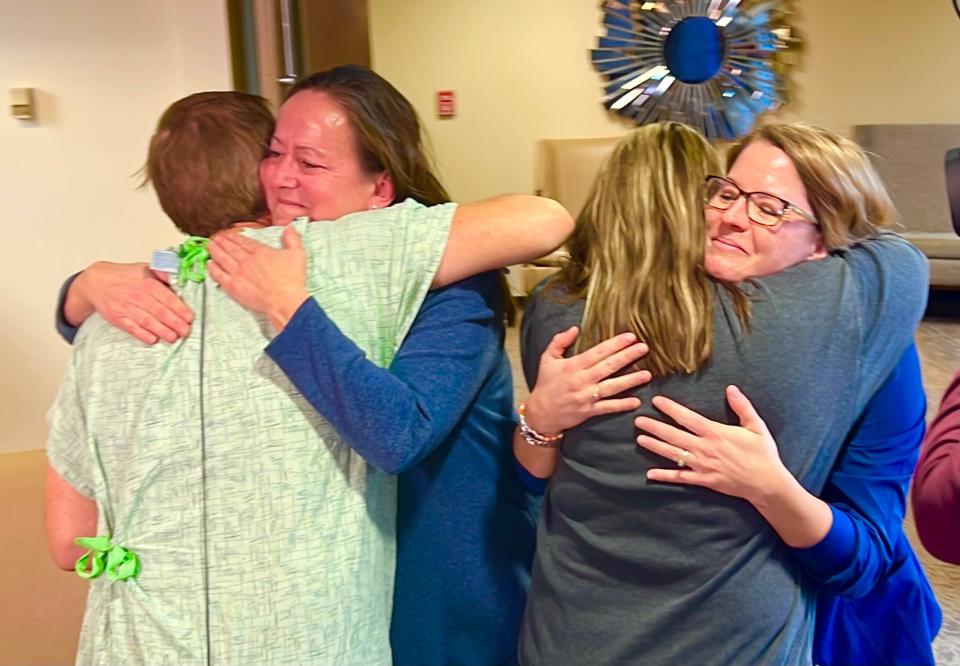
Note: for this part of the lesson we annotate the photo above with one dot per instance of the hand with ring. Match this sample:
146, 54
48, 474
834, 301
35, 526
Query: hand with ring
571, 390
741, 461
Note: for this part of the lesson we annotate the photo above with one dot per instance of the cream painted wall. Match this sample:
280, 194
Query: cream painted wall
105, 71
521, 70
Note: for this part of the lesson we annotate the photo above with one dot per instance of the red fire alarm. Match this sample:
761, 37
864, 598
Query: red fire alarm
446, 104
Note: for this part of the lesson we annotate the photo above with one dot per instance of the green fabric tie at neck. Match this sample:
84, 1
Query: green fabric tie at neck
193, 260
102, 555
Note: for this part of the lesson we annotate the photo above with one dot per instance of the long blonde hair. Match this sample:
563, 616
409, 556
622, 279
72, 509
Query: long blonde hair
636, 253
846, 193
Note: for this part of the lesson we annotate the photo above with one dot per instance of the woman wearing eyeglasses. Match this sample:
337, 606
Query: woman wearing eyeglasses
709, 542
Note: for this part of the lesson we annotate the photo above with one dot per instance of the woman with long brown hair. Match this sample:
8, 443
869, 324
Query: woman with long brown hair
441, 417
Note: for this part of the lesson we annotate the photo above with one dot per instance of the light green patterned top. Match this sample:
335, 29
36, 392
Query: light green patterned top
298, 558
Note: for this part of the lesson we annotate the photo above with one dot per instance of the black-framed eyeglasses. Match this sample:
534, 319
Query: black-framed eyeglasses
764, 209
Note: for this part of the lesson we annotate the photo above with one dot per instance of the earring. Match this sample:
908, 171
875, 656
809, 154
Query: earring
374, 206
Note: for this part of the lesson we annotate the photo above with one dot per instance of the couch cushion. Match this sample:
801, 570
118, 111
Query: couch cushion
936, 245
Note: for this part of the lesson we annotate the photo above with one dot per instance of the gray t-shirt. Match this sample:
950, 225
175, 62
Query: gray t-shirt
629, 571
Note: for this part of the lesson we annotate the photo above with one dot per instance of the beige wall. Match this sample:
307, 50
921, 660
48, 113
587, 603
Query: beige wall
105, 70
521, 70
520, 67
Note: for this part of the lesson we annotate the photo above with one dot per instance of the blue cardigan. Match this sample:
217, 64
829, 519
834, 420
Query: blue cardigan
441, 418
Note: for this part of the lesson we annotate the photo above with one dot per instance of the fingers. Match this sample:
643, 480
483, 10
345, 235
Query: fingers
143, 325
220, 276
617, 362
244, 244
291, 239
601, 351
129, 326
668, 451
686, 476
615, 406
149, 311
672, 435
744, 409
617, 385
225, 254
233, 248
688, 418
559, 343
171, 308
161, 312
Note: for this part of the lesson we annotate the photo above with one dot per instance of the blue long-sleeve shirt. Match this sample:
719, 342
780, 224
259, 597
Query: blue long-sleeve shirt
875, 605
441, 418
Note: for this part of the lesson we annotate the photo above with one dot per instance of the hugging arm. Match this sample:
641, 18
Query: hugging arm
484, 235
565, 392
394, 418
69, 511
501, 231
129, 297
867, 488
568, 391
67, 515
841, 540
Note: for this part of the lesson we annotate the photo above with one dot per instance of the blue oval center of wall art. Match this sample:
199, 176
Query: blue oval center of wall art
694, 49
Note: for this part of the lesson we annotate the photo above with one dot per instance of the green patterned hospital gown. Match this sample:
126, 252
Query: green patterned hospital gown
262, 537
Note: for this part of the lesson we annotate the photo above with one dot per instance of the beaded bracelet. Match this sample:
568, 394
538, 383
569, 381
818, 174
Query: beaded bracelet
534, 438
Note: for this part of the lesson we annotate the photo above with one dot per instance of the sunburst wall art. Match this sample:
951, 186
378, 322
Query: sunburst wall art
713, 64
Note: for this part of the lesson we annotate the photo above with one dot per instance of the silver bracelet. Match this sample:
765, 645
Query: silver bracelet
534, 438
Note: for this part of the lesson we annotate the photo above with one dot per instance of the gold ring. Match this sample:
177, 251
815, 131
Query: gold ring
596, 392
682, 460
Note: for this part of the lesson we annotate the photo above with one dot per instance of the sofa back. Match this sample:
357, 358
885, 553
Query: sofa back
910, 160
567, 168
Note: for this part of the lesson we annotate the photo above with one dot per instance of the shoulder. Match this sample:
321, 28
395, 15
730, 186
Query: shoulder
484, 293
551, 308
407, 210
486, 283
885, 261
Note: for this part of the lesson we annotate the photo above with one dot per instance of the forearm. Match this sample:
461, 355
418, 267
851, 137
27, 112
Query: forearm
867, 488
498, 232
394, 418
66, 330
800, 519
77, 305
540, 461
346, 389
284, 307
67, 515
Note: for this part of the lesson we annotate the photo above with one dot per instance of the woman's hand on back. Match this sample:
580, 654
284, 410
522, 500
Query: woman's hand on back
741, 461
571, 390
270, 281
131, 298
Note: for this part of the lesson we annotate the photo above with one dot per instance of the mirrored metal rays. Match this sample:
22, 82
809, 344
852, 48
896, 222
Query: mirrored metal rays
713, 64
